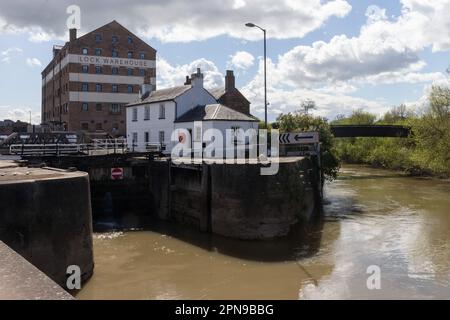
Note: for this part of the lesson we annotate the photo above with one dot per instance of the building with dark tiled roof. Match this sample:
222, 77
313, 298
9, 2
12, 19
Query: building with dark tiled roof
192, 109
230, 96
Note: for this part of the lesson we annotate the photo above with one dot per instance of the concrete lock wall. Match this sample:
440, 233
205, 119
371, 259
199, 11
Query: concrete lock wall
46, 217
237, 201
247, 205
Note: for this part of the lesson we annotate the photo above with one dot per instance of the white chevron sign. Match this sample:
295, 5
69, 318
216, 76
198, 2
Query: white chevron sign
299, 137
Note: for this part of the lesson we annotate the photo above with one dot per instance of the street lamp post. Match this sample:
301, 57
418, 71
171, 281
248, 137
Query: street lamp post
252, 25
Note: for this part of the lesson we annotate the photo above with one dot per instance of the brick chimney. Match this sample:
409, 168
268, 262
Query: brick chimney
73, 34
229, 81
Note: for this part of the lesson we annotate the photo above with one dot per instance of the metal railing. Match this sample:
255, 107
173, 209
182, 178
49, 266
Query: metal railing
97, 147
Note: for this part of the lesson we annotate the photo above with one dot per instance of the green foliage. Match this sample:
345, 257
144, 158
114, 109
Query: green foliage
298, 121
426, 151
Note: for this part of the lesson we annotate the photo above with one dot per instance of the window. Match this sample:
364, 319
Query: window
147, 113
98, 126
234, 136
84, 51
130, 54
115, 88
135, 137
85, 107
115, 127
115, 108
130, 40
134, 115
85, 69
115, 39
98, 69
142, 72
98, 37
198, 133
98, 107
115, 53
142, 55
162, 111
115, 70
98, 52
147, 137
84, 87
98, 87
161, 137
130, 72
130, 88
85, 126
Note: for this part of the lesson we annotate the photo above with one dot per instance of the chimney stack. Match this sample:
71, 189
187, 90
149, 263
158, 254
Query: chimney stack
229, 81
73, 34
197, 79
146, 89
188, 81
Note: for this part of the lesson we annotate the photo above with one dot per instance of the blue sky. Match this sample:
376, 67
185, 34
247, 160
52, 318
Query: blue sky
344, 55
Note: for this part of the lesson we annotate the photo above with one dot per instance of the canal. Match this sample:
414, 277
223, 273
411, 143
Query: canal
371, 217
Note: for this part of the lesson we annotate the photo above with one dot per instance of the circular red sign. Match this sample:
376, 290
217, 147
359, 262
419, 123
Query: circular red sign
117, 173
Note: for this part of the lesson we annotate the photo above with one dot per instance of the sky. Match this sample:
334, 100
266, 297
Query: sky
343, 54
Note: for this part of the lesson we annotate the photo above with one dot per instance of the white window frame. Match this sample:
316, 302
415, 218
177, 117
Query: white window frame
134, 114
147, 113
162, 111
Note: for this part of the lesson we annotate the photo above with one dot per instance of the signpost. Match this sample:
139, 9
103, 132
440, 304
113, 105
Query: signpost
299, 138
116, 173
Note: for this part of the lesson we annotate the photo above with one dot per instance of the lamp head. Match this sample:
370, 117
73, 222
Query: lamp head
250, 25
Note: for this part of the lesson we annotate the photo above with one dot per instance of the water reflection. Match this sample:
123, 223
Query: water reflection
371, 217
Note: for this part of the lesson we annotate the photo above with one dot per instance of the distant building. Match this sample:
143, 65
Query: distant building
90, 79
159, 113
9, 126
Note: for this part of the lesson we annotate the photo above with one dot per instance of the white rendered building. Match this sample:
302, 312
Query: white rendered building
152, 120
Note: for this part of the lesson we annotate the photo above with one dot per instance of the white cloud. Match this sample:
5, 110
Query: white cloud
171, 76
241, 60
283, 99
175, 21
8, 54
385, 51
19, 113
33, 62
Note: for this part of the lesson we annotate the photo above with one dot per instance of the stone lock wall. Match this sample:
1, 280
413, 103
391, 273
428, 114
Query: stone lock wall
46, 217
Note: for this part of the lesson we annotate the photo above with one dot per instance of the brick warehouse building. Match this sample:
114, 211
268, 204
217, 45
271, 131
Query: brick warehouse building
90, 79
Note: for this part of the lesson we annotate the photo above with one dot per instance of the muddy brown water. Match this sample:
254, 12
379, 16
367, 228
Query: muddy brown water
371, 217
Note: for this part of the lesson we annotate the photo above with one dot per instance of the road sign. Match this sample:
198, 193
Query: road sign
116, 173
299, 137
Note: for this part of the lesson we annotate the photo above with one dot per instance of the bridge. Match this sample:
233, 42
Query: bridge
350, 131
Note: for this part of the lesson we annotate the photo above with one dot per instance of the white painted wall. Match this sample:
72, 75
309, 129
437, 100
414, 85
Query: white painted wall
220, 125
153, 126
196, 96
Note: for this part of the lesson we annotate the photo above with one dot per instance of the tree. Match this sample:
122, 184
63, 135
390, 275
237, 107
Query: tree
308, 105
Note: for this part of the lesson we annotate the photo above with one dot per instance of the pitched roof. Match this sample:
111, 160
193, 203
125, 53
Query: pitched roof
217, 93
214, 112
163, 95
